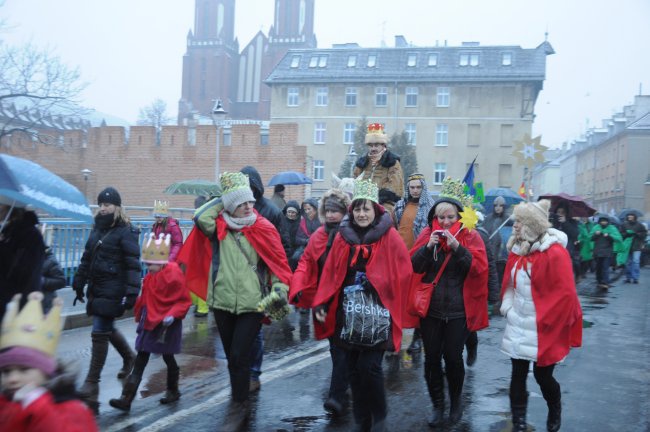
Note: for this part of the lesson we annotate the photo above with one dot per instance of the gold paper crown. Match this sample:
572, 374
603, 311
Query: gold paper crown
375, 134
160, 208
366, 189
455, 189
156, 251
231, 182
30, 328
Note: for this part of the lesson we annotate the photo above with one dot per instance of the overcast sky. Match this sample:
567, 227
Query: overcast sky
130, 51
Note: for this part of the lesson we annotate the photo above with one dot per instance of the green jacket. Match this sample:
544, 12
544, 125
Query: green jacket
586, 243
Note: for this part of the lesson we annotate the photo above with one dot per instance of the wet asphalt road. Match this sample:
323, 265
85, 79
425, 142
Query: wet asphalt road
605, 384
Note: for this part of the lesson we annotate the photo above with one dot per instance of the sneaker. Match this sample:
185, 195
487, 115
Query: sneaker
254, 386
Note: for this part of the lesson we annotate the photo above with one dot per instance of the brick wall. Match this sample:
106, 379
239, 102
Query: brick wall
140, 169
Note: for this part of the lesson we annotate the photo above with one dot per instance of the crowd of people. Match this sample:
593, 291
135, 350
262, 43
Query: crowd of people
385, 250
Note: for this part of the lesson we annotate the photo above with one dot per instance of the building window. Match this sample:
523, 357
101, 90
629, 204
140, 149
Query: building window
412, 60
442, 134
350, 96
372, 60
506, 59
352, 60
292, 96
295, 61
322, 96
322, 61
442, 97
439, 173
348, 133
473, 135
505, 175
319, 170
313, 61
381, 96
509, 97
506, 135
469, 59
411, 96
411, 134
433, 59
319, 133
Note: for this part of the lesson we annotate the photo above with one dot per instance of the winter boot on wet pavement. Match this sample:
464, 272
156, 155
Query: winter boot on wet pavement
172, 394
128, 393
519, 418
437, 394
455, 380
554, 418
89, 391
128, 355
416, 343
236, 417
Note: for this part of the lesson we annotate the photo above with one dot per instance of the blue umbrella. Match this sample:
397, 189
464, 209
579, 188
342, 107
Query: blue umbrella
29, 183
509, 195
289, 178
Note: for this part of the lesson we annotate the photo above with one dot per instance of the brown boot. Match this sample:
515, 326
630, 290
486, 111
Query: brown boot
172, 394
128, 393
89, 391
128, 355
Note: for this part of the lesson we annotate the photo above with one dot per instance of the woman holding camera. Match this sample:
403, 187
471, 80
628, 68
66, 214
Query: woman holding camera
451, 299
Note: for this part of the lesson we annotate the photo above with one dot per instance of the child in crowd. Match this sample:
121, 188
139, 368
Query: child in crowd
38, 394
159, 312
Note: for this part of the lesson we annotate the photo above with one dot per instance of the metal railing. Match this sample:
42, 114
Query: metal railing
68, 238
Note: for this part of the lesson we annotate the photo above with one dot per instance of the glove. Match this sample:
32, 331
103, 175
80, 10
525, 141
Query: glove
129, 302
167, 321
80, 296
274, 305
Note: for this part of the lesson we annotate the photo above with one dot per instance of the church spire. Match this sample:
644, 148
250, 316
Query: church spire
293, 22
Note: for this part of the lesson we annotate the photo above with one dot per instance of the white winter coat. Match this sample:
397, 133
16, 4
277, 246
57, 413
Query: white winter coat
520, 338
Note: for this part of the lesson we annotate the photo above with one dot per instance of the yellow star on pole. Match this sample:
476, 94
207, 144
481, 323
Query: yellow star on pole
469, 218
529, 151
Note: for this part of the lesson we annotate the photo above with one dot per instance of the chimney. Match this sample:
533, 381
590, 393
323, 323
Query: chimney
400, 42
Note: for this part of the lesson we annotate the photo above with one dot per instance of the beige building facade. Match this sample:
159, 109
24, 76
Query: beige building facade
454, 103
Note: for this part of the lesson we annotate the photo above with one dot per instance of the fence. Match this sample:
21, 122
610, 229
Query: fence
68, 239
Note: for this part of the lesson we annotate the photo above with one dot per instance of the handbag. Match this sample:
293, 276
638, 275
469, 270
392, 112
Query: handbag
420, 295
367, 322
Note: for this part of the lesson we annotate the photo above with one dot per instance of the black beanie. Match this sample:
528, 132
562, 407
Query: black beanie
110, 196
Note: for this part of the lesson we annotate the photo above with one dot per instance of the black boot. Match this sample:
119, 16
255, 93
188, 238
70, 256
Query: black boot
128, 393
519, 418
472, 348
128, 356
455, 380
236, 416
172, 394
89, 391
416, 343
437, 394
554, 418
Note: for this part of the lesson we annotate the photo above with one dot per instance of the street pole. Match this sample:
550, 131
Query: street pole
218, 115
86, 173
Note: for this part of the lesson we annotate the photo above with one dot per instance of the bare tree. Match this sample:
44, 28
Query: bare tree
38, 93
154, 114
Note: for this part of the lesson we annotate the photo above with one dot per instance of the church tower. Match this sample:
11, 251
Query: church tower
293, 24
210, 61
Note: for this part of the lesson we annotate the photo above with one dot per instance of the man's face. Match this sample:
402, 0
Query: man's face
415, 188
375, 148
630, 217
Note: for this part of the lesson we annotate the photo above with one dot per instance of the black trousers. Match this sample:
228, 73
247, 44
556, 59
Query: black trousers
367, 383
237, 334
340, 380
544, 377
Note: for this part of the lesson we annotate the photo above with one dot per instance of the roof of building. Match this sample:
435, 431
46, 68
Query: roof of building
470, 62
642, 123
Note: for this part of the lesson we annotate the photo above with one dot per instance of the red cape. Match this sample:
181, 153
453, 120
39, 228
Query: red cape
305, 278
557, 308
475, 289
196, 253
163, 294
388, 270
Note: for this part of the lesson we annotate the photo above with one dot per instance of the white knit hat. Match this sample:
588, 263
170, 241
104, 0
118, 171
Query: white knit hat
236, 190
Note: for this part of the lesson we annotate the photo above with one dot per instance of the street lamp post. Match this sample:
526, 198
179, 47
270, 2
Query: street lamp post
218, 115
86, 173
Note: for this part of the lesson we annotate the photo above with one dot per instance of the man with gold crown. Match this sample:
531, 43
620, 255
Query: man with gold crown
37, 392
381, 166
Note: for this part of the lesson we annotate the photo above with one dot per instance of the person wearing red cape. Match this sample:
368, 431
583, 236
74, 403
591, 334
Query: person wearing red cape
367, 245
542, 310
449, 294
334, 206
242, 271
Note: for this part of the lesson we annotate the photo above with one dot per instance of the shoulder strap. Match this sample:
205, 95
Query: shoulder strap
442, 269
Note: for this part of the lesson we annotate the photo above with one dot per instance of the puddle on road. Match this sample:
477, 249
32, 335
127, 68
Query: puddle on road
306, 423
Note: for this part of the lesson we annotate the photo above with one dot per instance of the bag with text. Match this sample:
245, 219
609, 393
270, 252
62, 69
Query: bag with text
367, 321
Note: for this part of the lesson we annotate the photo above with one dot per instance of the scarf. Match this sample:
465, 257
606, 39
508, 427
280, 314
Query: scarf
238, 224
454, 230
374, 159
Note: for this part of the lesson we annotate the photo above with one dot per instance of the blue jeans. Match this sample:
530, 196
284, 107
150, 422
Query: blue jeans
257, 355
102, 324
602, 269
633, 265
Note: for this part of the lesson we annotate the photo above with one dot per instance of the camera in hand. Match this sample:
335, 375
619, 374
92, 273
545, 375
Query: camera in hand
439, 233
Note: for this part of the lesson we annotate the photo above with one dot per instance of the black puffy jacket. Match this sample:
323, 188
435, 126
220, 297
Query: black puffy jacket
110, 265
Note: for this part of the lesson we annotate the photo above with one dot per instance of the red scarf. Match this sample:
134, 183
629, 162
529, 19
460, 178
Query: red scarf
196, 253
388, 270
557, 308
475, 291
164, 293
